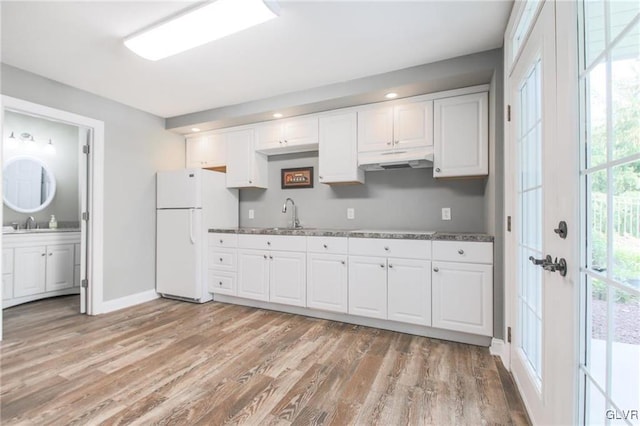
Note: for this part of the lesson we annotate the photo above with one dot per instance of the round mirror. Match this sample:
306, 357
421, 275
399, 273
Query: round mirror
29, 185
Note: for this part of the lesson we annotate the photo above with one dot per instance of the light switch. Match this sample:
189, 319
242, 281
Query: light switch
351, 213
251, 214
446, 213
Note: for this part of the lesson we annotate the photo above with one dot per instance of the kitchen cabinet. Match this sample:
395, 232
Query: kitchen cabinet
390, 279
207, 152
327, 274
405, 125
246, 168
461, 136
222, 264
462, 282
338, 149
288, 136
272, 268
39, 265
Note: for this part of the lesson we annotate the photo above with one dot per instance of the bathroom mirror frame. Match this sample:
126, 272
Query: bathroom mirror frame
51, 176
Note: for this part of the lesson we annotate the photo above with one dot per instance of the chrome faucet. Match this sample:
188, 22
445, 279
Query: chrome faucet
30, 223
295, 223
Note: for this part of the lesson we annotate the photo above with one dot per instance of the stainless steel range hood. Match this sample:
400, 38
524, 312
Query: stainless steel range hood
414, 158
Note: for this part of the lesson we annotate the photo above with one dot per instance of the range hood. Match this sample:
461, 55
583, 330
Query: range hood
414, 158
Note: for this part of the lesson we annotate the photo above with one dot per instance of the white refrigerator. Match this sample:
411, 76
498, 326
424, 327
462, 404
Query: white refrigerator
188, 203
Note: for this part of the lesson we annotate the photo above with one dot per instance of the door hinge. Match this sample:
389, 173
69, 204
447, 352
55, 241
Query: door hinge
85, 149
85, 215
85, 283
508, 112
509, 223
508, 334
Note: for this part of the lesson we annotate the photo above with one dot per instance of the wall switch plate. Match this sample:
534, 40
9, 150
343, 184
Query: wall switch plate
251, 214
446, 213
351, 213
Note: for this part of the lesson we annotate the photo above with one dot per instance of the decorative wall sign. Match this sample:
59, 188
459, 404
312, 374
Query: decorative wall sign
301, 177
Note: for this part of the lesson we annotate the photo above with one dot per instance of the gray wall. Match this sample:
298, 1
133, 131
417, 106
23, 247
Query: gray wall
63, 164
390, 199
136, 146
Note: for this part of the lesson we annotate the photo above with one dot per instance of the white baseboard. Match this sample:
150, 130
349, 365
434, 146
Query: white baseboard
127, 301
500, 348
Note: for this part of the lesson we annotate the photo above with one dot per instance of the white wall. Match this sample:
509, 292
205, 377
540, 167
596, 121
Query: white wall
136, 146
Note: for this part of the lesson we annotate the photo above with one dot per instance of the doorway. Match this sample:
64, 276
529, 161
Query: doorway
90, 134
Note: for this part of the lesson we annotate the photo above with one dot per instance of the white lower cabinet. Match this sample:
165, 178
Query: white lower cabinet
368, 286
253, 274
287, 278
327, 282
30, 271
409, 291
60, 267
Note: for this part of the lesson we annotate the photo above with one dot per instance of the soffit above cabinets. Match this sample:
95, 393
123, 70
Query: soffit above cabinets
312, 44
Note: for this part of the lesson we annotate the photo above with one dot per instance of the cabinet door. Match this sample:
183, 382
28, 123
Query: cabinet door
368, 286
206, 151
375, 129
409, 291
413, 125
461, 136
7, 286
287, 278
463, 297
338, 149
269, 136
217, 151
29, 271
240, 156
59, 267
327, 285
300, 131
253, 274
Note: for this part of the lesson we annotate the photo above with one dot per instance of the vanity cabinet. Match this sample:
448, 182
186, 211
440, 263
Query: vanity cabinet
461, 136
272, 268
42, 265
390, 279
288, 136
246, 168
338, 149
327, 273
206, 152
404, 125
463, 286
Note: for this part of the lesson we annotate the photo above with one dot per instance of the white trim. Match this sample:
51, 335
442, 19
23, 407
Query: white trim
500, 348
128, 301
96, 224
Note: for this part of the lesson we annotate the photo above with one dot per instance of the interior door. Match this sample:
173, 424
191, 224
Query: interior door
543, 304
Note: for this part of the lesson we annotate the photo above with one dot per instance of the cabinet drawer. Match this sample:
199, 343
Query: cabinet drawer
7, 261
222, 283
223, 240
273, 242
332, 245
409, 249
463, 251
223, 260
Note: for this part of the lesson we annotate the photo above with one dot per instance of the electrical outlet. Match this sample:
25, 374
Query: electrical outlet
251, 214
446, 213
351, 213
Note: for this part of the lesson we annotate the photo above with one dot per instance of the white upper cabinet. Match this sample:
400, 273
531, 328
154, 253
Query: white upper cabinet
245, 167
407, 125
461, 136
288, 136
338, 151
208, 152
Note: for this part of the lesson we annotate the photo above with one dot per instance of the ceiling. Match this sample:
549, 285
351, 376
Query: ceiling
311, 44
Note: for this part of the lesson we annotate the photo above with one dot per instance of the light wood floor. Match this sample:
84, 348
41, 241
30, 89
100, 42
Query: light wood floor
168, 362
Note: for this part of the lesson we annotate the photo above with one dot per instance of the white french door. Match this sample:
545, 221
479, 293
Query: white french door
541, 192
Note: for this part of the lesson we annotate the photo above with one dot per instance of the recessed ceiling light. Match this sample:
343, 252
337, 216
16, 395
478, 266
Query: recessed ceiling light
195, 129
198, 26
277, 115
391, 95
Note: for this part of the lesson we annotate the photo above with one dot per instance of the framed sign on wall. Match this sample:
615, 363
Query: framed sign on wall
300, 177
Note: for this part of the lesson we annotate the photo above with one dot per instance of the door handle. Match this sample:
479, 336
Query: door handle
548, 264
191, 237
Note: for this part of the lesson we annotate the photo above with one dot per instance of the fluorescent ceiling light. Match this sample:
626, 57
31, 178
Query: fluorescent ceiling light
198, 26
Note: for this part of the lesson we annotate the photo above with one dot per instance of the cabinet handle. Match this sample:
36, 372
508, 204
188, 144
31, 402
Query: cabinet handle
268, 243
435, 269
220, 283
320, 177
43, 254
264, 255
386, 248
220, 259
343, 262
324, 245
285, 142
250, 181
221, 241
397, 142
390, 265
382, 265
389, 143
271, 257
50, 254
460, 251
437, 169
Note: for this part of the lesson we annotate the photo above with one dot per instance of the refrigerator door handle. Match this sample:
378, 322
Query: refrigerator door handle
191, 237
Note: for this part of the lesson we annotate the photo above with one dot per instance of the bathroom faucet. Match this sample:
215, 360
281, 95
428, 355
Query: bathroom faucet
30, 223
295, 223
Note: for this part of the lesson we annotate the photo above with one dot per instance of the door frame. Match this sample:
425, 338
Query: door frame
567, 129
95, 228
